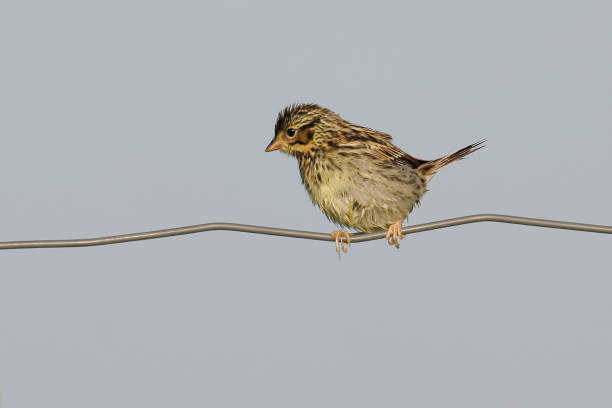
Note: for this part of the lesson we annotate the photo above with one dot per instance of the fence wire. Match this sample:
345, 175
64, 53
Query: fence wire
254, 229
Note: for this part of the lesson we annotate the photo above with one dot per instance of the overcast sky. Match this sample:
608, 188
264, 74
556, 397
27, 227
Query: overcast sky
126, 116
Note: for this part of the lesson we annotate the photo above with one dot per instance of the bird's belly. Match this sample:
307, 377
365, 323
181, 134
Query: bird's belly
365, 201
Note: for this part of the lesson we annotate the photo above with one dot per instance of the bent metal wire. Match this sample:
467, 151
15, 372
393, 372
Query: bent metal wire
357, 237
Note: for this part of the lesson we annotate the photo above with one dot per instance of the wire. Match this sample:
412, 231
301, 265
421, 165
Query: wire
358, 237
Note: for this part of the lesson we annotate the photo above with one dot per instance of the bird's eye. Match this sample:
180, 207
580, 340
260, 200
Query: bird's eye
290, 132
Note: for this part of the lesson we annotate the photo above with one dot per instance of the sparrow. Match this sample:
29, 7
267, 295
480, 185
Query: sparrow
355, 174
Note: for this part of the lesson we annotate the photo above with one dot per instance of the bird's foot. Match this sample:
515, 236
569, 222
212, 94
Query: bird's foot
395, 231
337, 236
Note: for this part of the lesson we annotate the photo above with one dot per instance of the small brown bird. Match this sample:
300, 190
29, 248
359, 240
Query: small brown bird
355, 174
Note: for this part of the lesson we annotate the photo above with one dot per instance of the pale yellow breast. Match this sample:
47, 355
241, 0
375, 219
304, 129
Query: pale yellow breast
362, 195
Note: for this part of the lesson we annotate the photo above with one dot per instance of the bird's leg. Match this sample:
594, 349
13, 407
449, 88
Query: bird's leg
337, 236
395, 230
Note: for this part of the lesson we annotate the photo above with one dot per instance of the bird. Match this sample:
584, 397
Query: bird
354, 174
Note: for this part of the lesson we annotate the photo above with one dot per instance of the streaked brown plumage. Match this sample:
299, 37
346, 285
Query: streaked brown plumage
356, 175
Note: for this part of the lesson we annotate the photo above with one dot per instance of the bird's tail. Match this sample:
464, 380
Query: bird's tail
428, 169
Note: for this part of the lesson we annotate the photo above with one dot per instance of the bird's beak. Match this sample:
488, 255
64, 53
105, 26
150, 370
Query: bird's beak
274, 145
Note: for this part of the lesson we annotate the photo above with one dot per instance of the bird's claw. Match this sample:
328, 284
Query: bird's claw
395, 231
338, 237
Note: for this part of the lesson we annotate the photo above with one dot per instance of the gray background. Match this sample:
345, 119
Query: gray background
124, 116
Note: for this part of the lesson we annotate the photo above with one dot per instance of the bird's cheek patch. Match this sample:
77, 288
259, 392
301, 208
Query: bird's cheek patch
305, 135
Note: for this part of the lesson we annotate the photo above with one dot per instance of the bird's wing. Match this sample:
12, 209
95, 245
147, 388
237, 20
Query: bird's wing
383, 149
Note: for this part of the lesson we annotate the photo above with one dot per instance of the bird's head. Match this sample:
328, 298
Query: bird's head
297, 127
